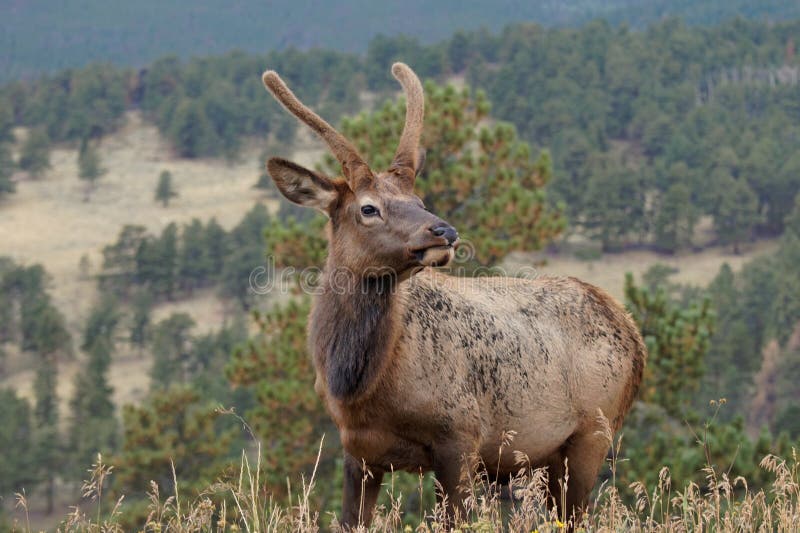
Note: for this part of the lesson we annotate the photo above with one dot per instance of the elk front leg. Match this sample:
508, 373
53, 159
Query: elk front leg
361, 488
454, 468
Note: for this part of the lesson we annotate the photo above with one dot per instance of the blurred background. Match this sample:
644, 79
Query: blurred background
651, 147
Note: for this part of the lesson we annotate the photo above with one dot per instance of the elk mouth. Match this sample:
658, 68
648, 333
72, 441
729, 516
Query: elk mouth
434, 256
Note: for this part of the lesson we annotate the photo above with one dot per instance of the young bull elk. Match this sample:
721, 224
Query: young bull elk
421, 371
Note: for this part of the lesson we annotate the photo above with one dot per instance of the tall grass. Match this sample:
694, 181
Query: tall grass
721, 505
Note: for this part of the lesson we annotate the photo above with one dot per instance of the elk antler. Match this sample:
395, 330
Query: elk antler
407, 158
353, 165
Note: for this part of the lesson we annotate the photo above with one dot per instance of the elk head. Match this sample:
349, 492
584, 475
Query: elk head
377, 223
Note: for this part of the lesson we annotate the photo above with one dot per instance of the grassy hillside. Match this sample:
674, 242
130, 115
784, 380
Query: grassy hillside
43, 36
48, 222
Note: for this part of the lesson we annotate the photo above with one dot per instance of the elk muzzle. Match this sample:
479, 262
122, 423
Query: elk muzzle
440, 241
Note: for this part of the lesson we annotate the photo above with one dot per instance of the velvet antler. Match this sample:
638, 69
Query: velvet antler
353, 165
407, 160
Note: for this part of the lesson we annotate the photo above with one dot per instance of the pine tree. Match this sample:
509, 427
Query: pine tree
171, 351
157, 262
16, 440
732, 347
677, 337
736, 212
51, 338
35, 153
165, 190
121, 261
6, 170
166, 282
481, 179
142, 304
194, 266
93, 425
48, 440
89, 166
674, 222
191, 131
173, 428
614, 200
247, 253
217, 247
102, 323
275, 365
7, 165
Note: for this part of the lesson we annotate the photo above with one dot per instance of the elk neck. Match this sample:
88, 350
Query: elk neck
352, 331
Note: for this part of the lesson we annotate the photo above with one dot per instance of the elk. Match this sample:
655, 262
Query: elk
423, 371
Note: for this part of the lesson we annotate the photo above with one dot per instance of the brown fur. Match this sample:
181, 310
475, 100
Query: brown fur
422, 371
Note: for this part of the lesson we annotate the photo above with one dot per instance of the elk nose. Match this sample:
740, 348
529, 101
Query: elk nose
443, 229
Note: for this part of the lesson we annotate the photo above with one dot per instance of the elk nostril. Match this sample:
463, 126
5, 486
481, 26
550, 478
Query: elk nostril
439, 231
445, 230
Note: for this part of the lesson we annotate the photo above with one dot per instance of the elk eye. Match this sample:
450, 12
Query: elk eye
369, 210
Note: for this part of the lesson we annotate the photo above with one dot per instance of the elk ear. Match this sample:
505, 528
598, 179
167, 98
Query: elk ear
301, 185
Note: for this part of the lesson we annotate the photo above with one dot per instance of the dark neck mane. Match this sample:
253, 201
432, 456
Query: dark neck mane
351, 332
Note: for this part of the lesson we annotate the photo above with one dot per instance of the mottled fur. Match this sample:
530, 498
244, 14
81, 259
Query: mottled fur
421, 371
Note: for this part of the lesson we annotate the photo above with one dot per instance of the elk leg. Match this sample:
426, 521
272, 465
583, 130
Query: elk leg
453, 470
585, 453
360, 492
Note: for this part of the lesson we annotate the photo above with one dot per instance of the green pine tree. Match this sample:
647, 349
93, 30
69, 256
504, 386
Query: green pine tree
674, 222
142, 304
48, 444
217, 247
34, 156
93, 426
275, 365
171, 351
121, 261
194, 265
614, 200
190, 131
677, 338
177, 429
17, 469
6, 170
90, 168
50, 339
157, 262
165, 190
736, 212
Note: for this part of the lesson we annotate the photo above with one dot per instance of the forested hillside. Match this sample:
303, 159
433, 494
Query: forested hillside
588, 141
72, 34
649, 132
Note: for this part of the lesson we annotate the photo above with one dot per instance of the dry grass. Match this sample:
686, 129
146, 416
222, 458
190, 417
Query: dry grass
722, 505
697, 268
